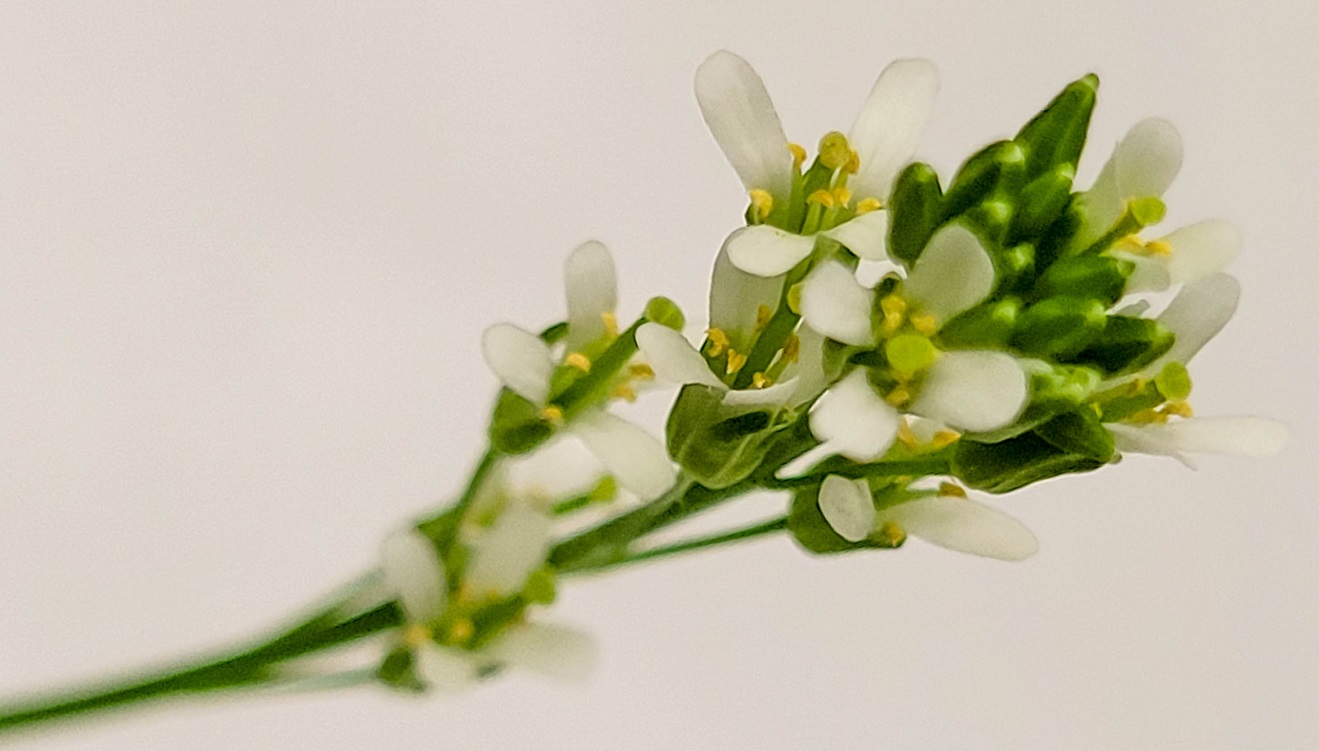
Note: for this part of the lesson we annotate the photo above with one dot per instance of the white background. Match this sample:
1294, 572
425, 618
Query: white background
247, 251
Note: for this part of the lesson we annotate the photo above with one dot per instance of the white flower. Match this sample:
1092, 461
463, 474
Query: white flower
742, 118
1143, 165
676, 360
1184, 255
525, 364
949, 521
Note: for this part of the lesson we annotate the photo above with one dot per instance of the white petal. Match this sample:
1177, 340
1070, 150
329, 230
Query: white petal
1196, 315
1149, 274
1147, 159
414, 574
866, 235
561, 468
445, 671
953, 273
770, 396
1201, 249
673, 358
853, 420
633, 456
966, 526
888, 128
835, 304
808, 371
973, 390
592, 290
553, 651
848, 507
1252, 437
520, 360
742, 118
736, 298
767, 251
514, 546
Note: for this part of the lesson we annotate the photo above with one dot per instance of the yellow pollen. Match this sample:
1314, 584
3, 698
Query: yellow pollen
760, 381
415, 635
842, 195
791, 348
951, 490
763, 314
611, 323
853, 165
1181, 409
762, 201
461, 631
898, 396
1158, 248
579, 361
552, 414
895, 312
867, 205
794, 298
822, 197
944, 438
798, 155
641, 371
735, 361
624, 392
892, 533
718, 341
925, 324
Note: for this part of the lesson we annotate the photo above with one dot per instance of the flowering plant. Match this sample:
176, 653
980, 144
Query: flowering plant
880, 342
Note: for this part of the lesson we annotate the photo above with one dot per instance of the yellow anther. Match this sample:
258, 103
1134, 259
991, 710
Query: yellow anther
760, 380
611, 324
944, 438
798, 155
895, 312
905, 436
718, 342
762, 201
951, 490
641, 371
821, 197
1181, 409
415, 635
579, 361
926, 324
461, 631
842, 195
892, 533
794, 298
763, 314
791, 348
867, 205
1158, 248
898, 396
853, 165
735, 361
1146, 417
624, 392
552, 414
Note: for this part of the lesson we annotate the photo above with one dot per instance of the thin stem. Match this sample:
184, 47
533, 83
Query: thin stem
757, 530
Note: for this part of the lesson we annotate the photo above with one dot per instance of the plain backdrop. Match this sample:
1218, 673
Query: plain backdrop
247, 250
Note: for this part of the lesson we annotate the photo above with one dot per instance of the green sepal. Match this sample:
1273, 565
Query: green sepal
1014, 267
492, 620
517, 426
1100, 278
1079, 432
1059, 327
1127, 344
715, 443
1041, 203
990, 219
1000, 164
555, 332
1015, 463
1056, 136
812, 531
915, 210
986, 326
396, 671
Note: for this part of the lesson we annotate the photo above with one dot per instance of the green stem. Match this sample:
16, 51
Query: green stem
757, 530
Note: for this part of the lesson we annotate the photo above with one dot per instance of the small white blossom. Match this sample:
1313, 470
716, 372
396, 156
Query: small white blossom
1143, 165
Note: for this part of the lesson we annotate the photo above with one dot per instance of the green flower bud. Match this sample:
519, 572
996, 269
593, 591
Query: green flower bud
1079, 433
915, 210
1055, 136
1127, 344
1059, 327
1015, 463
1097, 277
665, 312
988, 326
1174, 382
1001, 162
1041, 203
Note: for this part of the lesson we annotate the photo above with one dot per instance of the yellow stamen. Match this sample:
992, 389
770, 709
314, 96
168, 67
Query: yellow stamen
867, 205
1158, 248
735, 361
624, 392
892, 533
579, 361
853, 165
552, 414
718, 342
611, 324
791, 349
798, 155
760, 380
762, 201
944, 438
925, 324
905, 436
1181, 409
895, 312
415, 635
842, 195
821, 197
1146, 417
763, 314
898, 396
641, 371
951, 490
461, 631
794, 298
